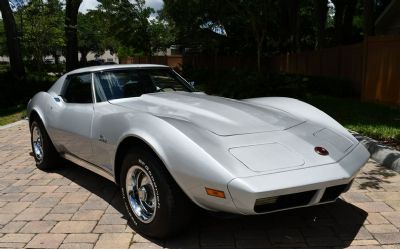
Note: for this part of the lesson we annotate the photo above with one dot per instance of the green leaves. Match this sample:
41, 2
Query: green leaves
91, 33
134, 29
42, 29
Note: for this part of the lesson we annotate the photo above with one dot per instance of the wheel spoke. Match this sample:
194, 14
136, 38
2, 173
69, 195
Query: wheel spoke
145, 181
153, 201
147, 207
40, 151
133, 182
137, 180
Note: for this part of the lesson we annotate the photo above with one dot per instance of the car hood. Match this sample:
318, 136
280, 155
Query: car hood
219, 115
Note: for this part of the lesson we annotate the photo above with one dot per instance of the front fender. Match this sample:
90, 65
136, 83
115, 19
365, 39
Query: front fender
191, 166
40, 103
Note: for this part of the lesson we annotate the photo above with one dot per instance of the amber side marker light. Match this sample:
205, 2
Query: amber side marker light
215, 193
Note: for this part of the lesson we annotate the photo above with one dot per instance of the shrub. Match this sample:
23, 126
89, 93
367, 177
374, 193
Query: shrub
244, 84
18, 91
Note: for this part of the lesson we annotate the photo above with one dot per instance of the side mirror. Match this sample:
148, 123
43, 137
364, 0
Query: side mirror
191, 83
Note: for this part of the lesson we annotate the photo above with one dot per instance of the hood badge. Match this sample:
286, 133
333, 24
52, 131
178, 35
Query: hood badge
321, 150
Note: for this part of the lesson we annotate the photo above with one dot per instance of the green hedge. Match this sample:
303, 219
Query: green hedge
18, 91
242, 84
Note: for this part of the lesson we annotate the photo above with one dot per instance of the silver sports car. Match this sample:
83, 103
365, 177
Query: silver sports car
169, 146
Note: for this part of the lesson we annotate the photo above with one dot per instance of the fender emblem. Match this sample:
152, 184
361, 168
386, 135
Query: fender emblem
321, 150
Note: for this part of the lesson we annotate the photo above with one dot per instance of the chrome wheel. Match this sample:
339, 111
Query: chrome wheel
141, 194
37, 143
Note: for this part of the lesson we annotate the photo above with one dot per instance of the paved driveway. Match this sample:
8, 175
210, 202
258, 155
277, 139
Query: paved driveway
73, 208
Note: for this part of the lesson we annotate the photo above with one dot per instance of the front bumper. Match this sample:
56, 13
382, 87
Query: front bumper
298, 188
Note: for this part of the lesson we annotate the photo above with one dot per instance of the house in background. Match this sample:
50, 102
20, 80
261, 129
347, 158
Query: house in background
388, 23
173, 50
4, 59
106, 57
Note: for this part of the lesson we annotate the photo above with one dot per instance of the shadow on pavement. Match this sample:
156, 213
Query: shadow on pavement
330, 225
376, 177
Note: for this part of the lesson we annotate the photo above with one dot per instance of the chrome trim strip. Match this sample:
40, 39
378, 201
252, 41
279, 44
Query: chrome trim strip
84, 164
93, 89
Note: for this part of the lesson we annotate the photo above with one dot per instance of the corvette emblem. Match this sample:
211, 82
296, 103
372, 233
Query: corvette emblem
321, 150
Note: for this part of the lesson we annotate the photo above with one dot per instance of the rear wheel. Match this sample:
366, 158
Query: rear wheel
43, 150
157, 207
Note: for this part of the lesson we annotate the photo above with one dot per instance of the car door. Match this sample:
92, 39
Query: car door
107, 87
73, 115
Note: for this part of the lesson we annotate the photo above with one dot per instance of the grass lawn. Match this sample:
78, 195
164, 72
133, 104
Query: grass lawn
373, 120
12, 114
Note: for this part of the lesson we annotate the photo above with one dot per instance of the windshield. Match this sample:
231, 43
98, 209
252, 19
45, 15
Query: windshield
126, 83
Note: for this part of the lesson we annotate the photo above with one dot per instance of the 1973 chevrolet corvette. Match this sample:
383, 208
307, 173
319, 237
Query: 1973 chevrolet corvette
168, 146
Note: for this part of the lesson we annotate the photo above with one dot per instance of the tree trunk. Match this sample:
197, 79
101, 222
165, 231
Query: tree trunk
83, 57
259, 36
321, 13
56, 58
369, 17
14, 49
289, 22
294, 22
259, 51
348, 20
71, 20
339, 13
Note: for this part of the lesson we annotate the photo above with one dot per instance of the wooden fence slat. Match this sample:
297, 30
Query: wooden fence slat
372, 66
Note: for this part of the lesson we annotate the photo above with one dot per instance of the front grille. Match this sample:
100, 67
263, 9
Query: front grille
283, 201
333, 192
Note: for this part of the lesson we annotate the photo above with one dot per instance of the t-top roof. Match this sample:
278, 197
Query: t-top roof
108, 67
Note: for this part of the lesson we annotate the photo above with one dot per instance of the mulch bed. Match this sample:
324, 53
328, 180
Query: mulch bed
394, 143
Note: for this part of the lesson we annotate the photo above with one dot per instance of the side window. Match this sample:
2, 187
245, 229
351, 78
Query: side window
117, 84
78, 89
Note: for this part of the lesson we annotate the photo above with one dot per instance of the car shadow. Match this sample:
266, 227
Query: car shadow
331, 225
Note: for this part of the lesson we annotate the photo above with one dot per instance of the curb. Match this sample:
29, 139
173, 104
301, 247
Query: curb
382, 154
3, 127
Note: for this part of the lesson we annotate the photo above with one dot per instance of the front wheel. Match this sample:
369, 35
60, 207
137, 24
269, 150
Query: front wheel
156, 205
43, 150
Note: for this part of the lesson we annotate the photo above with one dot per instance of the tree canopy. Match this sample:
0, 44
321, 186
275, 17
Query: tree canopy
90, 34
258, 28
42, 31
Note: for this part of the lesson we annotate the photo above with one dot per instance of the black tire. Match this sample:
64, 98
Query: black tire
173, 209
50, 156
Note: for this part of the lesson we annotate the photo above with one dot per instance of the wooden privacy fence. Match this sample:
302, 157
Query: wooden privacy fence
223, 62
373, 66
382, 70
